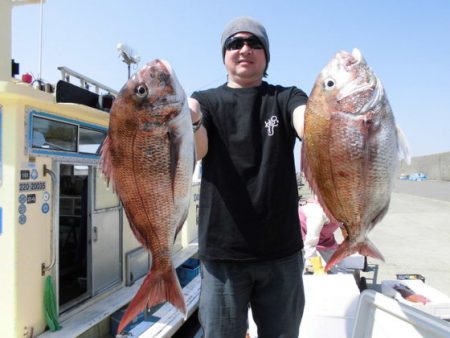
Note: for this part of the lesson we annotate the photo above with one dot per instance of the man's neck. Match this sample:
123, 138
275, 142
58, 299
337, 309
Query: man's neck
242, 83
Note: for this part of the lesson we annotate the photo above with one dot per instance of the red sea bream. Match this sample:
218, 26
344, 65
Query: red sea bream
351, 149
148, 156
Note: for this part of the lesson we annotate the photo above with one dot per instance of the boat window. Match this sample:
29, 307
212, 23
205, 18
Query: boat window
104, 198
81, 170
54, 135
90, 140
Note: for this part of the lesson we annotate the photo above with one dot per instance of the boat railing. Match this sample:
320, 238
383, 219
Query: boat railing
85, 82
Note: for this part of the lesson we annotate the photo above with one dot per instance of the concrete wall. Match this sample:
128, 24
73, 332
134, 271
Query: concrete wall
436, 166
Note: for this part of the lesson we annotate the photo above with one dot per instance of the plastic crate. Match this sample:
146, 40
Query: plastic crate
188, 271
134, 325
143, 326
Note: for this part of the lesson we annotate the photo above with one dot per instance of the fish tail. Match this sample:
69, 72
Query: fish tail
346, 248
156, 288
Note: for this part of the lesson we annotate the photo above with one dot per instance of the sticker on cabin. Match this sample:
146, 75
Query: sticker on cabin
31, 198
22, 219
46, 196
34, 174
45, 208
22, 209
31, 186
24, 174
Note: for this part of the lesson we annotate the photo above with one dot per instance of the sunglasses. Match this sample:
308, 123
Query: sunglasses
237, 42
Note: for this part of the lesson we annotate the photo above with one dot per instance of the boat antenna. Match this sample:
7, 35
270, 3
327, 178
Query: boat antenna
127, 55
41, 39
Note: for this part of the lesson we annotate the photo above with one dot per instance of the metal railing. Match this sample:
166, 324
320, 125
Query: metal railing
85, 82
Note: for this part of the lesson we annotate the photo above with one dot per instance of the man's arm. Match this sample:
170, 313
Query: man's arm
299, 119
200, 136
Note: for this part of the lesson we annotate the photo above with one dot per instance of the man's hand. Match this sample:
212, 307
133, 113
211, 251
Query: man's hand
200, 135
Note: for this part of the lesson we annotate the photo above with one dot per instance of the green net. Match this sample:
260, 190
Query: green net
51, 314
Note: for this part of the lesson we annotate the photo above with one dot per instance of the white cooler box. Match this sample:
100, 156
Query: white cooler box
331, 306
380, 316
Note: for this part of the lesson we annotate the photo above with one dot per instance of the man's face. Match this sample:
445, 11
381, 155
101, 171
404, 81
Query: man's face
245, 60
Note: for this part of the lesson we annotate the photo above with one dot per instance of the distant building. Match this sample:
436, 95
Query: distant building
435, 166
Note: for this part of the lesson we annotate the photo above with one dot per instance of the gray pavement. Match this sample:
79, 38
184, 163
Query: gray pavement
414, 237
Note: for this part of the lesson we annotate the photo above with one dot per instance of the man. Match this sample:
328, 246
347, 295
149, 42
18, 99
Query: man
249, 232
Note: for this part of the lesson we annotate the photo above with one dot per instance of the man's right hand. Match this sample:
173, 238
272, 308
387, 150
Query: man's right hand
200, 136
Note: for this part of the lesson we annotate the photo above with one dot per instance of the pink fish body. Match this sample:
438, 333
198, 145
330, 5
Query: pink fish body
350, 150
148, 156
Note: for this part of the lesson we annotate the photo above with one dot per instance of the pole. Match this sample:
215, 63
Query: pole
40, 40
5, 40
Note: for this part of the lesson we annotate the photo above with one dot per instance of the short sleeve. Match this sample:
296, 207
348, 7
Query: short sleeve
297, 98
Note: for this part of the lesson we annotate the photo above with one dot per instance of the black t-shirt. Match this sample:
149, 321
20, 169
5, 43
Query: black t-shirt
248, 195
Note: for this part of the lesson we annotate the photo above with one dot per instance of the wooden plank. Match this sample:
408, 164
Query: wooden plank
89, 316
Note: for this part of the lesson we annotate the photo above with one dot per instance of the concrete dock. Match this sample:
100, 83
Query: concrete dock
414, 236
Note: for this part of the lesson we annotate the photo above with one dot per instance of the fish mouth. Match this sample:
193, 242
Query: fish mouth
175, 96
355, 62
175, 102
377, 95
179, 94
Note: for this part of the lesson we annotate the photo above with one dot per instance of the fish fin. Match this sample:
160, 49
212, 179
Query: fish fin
306, 169
174, 167
194, 162
106, 162
346, 248
403, 146
174, 157
381, 214
156, 288
180, 225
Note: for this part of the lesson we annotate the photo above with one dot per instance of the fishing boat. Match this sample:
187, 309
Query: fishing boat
69, 261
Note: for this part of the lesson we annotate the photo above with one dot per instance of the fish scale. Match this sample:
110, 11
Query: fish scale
350, 150
148, 156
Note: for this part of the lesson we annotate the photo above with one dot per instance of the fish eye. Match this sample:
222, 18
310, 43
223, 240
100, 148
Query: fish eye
329, 83
141, 91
